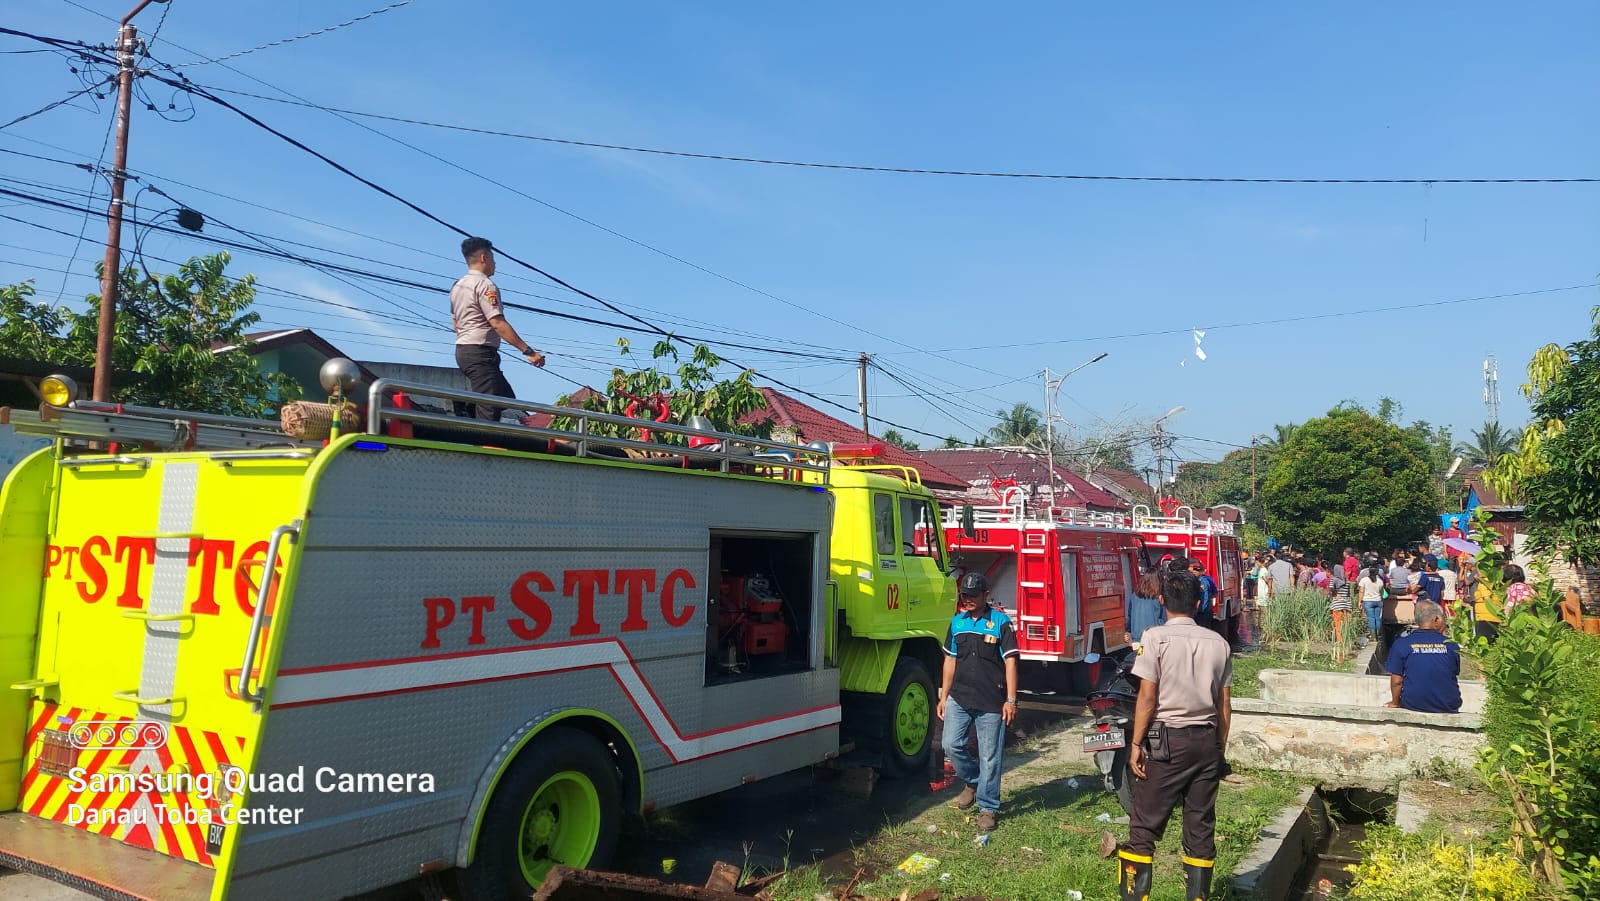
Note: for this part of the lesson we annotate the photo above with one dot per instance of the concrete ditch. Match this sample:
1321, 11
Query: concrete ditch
1334, 726
1310, 844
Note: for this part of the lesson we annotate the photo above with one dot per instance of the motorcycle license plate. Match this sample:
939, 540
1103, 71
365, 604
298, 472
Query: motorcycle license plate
1103, 741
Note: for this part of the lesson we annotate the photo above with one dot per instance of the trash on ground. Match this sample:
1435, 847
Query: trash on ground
981, 841
917, 864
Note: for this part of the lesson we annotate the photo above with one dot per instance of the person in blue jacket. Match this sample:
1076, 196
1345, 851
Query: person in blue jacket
1424, 666
1143, 607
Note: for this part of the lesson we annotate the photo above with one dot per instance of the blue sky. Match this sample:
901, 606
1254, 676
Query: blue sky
956, 283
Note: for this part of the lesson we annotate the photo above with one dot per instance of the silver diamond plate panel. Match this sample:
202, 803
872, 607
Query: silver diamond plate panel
169, 578
389, 531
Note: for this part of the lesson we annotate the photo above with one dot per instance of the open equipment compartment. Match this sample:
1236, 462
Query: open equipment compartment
758, 613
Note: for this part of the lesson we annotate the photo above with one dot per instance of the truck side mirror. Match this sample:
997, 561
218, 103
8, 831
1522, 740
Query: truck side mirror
967, 527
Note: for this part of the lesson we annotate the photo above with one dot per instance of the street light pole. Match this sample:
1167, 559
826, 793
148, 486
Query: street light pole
1049, 418
127, 46
1161, 442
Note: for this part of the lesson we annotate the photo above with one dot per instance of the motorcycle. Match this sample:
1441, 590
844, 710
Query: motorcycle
1113, 706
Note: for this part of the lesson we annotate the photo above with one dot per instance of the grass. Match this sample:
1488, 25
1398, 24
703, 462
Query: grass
1046, 844
1247, 667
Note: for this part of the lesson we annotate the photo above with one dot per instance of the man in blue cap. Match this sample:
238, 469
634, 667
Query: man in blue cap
978, 691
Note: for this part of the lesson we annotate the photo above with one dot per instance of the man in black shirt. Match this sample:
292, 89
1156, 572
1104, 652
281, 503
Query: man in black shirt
978, 691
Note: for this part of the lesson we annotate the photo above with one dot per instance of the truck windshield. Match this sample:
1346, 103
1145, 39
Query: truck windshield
921, 529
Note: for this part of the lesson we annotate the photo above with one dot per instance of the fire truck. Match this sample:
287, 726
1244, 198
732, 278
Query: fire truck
1212, 541
238, 664
1062, 575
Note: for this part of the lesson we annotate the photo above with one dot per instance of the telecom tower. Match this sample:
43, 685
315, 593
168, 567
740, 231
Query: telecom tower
1491, 388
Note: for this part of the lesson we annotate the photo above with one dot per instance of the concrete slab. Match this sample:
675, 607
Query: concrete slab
1349, 689
1267, 872
1362, 745
1409, 812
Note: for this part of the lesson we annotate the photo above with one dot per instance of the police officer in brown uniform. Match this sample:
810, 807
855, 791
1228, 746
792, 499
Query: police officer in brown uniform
480, 325
1180, 729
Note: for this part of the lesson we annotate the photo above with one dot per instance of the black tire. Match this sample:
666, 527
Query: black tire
1122, 780
901, 702
496, 872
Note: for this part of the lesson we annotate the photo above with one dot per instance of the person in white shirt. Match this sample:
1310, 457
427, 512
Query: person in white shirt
1371, 588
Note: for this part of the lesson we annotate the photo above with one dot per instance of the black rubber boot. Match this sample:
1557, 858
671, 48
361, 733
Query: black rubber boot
1133, 875
1197, 878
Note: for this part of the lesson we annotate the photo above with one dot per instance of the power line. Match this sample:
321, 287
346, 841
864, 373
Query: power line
299, 37
855, 326
908, 170
62, 102
1280, 321
407, 283
302, 102
145, 174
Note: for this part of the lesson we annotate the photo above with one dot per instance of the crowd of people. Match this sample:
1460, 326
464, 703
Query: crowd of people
1430, 571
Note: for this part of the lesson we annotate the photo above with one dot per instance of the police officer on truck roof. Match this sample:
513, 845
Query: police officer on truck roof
480, 324
1180, 730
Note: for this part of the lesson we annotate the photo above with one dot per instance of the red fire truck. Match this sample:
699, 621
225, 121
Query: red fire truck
1175, 530
1062, 575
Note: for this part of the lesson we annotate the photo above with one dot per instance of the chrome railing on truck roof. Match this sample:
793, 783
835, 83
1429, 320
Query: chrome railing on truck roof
89, 430
727, 451
1017, 514
1182, 520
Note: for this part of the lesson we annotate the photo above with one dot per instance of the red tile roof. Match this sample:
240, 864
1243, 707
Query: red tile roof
978, 466
575, 400
812, 424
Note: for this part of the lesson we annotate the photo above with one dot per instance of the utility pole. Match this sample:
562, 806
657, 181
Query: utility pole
1252, 467
127, 47
861, 388
1161, 447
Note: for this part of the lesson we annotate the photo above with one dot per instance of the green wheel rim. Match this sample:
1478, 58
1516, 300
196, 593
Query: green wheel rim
911, 719
561, 825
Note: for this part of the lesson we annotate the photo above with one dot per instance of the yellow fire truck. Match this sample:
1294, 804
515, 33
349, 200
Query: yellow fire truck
242, 665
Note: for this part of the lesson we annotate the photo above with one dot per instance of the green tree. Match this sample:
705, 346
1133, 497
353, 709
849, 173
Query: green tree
951, 443
690, 389
893, 436
179, 341
1350, 478
1488, 445
1018, 426
1556, 467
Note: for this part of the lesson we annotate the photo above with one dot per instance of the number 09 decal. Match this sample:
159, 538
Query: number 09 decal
894, 596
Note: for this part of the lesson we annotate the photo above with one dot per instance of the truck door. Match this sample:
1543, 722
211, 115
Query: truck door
152, 575
889, 580
922, 564
1069, 595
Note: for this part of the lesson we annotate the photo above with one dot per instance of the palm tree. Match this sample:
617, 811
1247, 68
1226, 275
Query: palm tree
1488, 445
1280, 436
1020, 425
893, 436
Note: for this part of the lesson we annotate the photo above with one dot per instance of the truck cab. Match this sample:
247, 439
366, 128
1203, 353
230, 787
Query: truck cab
896, 596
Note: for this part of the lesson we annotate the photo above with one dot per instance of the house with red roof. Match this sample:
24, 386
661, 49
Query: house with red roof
980, 468
797, 422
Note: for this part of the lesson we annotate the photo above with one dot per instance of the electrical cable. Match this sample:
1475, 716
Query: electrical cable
1309, 317
59, 103
95, 175
906, 170
289, 40
736, 282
